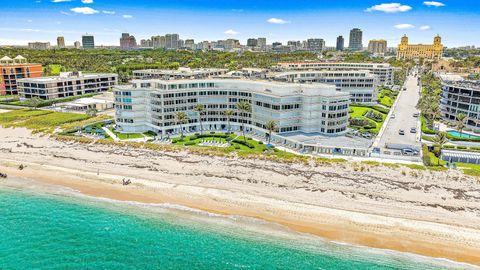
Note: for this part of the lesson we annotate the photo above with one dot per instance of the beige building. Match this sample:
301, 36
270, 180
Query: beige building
420, 51
60, 42
377, 46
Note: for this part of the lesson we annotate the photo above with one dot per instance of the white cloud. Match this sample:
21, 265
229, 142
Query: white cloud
389, 8
231, 32
404, 26
126, 16
84, 10
87, 1
425, 27
61, 1
108, 12
65, 13
434, 4
277, 21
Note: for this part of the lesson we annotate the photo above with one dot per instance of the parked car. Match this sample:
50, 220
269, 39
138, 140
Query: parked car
413, 130
407, 152
392, 116
401, 132
416, 115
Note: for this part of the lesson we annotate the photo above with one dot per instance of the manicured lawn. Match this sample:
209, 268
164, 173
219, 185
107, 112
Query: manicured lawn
239, 143
39, 120
359, 112
386, 97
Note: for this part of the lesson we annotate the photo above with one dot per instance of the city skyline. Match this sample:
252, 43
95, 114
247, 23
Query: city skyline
44, 20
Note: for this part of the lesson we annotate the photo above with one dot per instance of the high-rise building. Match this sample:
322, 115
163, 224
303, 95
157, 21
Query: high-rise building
127, 42
262, 43
315, 44
416, 51
39, 45
190, 44
252, 42
88, 41
146, 43
340, 43
77, 45
171, 41
294, 45
15, 69
377, 46
60, 42
231, 44
355, 42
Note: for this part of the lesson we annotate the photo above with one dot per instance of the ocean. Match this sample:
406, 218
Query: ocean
62, 231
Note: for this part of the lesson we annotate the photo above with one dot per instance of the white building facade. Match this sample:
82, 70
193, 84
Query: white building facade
151, 105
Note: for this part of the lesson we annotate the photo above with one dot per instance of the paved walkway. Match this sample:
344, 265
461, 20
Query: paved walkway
111, 134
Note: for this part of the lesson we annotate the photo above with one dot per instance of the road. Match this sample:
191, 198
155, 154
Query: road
403, 111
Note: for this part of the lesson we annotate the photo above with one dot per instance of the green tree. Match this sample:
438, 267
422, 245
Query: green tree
181, 118
228, 114
441, 139
271, 126
244, 108
461, 122
34, 102
200, 109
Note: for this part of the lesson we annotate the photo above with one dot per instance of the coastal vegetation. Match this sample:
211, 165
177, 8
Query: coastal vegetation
367, 118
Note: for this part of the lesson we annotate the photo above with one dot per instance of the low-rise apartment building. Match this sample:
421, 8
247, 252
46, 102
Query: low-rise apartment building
383, 71
360, 84
68, 84
14, 69
181, 73
461, 96
151, 105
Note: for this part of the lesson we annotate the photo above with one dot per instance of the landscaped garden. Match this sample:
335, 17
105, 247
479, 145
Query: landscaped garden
387, 96
367, 118
126, 136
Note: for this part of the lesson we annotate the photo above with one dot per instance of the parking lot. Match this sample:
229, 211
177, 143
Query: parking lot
401, 118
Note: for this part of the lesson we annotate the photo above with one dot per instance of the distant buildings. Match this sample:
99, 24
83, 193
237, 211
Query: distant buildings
355, 42
252, 42
77, 45
39, 45
340, 43
408, 51
378, 47
11, 70
171, 41
88, 41
315, 44
181, 73
262, 43
61, 42
68, 84
127, 42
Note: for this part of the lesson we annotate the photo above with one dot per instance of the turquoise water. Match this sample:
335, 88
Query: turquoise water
60, 232
462, 135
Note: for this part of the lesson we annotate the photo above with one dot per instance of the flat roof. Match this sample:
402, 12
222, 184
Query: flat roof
63, 78
261, 86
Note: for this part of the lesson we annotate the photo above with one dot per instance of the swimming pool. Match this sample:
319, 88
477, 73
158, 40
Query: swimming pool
462, 135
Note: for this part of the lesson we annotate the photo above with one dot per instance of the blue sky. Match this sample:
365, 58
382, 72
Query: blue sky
457, 21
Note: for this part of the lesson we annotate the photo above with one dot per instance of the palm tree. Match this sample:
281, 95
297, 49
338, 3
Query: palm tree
461, 121
441, 139
200, 108
271, 126
181, 118
228, 114
92, 112
244, 107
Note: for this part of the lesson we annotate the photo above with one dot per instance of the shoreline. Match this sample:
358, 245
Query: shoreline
341, 229
435, 214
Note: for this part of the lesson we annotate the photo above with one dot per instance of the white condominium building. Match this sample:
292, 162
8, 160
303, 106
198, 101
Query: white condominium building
151, 105
384, 72
68, 84
360, 84
181, 73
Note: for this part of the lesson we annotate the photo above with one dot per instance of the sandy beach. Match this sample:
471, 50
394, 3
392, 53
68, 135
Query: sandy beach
436, 214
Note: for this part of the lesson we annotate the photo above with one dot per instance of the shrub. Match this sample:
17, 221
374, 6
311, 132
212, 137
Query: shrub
461, 147
189, 143
247, 144
260, 142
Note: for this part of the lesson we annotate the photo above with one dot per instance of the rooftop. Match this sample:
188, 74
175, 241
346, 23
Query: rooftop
68, 75
260, 86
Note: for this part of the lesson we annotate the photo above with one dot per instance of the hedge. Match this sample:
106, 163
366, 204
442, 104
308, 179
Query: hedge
427, 160
247, 144
378, 108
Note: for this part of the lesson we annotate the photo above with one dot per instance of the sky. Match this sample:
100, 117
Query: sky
457, 21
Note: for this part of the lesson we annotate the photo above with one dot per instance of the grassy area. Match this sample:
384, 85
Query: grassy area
434, 163
54, 70
126, 136
373, 126
38, 120
387, 97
